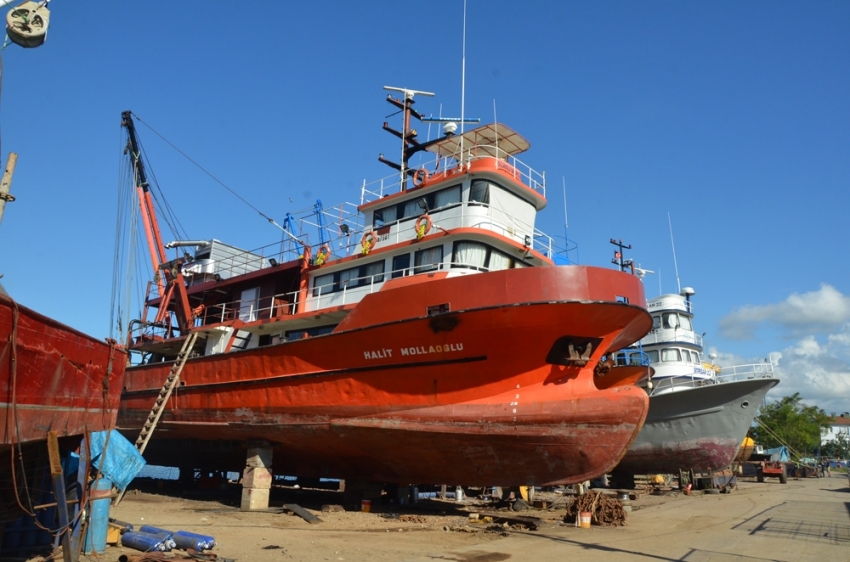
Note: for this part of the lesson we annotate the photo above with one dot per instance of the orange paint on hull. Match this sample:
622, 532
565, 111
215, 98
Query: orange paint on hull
468, 397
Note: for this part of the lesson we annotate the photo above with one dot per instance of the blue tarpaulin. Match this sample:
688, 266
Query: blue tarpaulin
778, 454
121, 463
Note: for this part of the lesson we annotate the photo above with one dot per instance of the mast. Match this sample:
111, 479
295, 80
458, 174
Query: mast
168, 275
152, 232
409, 144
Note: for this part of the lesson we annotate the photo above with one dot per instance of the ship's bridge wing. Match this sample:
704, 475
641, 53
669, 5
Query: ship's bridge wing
494, 140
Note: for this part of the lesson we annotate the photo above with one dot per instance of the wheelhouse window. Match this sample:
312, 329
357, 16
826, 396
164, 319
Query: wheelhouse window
670, 355
656, 322
482, 257
674, 320
653, 356
695, 357
401, 266
411, 208
428, 259
479, 192
361, 276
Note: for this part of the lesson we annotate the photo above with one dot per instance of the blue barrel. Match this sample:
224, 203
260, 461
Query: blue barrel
182, 539
146, 542
100, 498
186, 540
151, 530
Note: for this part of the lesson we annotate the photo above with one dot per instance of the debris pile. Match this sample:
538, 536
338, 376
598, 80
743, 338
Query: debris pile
605, 511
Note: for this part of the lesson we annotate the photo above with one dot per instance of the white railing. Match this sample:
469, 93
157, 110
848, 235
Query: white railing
276, 306
402, 230
729, 374
663, 335
521, 172
744, 372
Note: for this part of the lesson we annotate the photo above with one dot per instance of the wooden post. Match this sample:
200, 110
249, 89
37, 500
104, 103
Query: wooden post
6, 183
59, 492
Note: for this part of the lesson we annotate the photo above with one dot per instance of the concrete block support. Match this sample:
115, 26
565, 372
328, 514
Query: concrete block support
259, 457
257, 479
255, 499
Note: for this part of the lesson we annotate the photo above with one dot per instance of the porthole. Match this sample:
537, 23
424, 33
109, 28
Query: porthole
745, 404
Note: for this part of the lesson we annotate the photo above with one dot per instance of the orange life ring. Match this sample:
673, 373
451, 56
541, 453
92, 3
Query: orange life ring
323, 254
420, 177
368, 242
423, 229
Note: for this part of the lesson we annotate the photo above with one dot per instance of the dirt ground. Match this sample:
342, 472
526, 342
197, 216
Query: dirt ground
807, 519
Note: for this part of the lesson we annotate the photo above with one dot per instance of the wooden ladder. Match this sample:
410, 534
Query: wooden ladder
165, 392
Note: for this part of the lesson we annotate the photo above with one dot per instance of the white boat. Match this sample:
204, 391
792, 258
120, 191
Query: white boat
698, 413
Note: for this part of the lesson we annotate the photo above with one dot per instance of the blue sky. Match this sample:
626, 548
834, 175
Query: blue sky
730, 116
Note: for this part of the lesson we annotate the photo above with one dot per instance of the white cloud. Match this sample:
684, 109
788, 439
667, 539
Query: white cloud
818, 312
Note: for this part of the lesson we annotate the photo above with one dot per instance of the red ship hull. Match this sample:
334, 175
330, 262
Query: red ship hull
52, 378
474, 396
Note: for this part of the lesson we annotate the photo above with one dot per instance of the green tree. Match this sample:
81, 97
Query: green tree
792, 423
839, 448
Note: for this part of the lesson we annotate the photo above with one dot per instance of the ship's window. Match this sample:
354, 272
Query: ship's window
301, 334
498, 261
670, 354
685, 322
656, 322
471, 254
446, 197
479, 192
349, 278
634, 358
671, 320
621, 359
412, 209
323, 284
373, 273
686, 356
409, 209
366, 274
482, 256
428, 259
401, 265
385, 216
695, 357
653, 356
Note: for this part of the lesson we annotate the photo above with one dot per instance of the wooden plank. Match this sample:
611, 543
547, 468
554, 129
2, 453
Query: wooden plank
302, 513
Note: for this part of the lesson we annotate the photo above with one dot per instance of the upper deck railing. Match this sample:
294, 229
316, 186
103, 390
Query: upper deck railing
671, 335
519, 170
728, 374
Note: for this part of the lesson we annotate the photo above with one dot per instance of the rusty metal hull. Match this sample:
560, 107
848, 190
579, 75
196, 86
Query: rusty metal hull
393, 395
53, 378
700, 428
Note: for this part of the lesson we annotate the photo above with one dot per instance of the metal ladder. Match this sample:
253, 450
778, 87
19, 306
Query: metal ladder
164, 393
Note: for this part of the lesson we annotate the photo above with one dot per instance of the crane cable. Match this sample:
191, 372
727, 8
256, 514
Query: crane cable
207, 172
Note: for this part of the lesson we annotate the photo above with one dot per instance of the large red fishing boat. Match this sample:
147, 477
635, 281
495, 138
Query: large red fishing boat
426, 336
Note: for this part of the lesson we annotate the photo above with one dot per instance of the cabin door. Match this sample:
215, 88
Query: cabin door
248, 304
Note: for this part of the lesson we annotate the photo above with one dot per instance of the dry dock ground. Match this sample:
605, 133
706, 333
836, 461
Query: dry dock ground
807, 519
